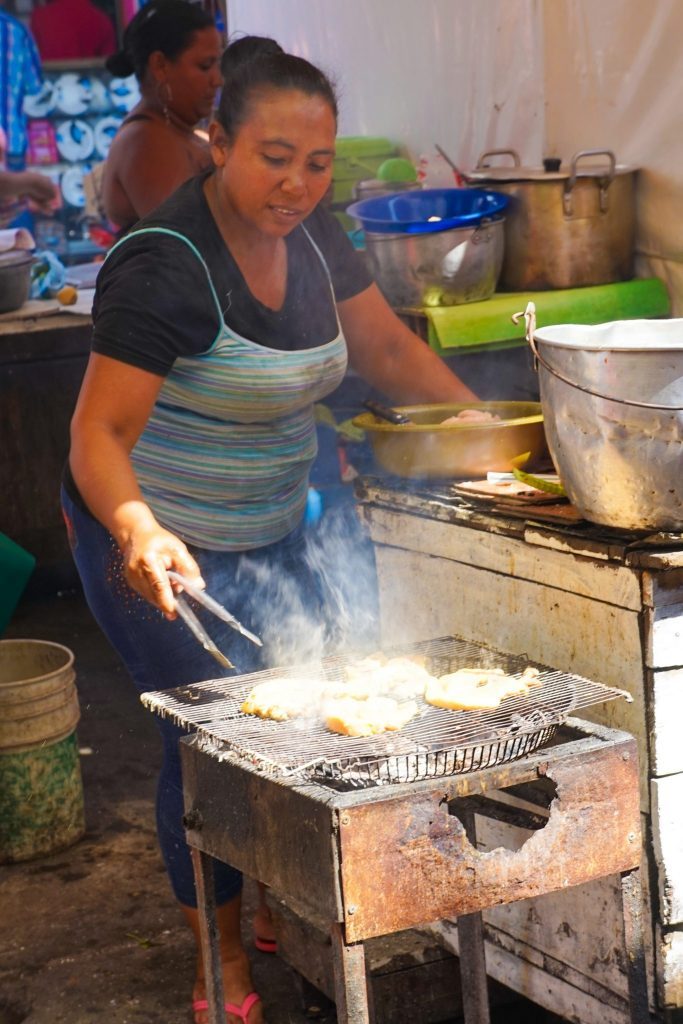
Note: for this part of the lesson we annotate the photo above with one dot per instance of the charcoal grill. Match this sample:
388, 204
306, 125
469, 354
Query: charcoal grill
436, 743
363, 838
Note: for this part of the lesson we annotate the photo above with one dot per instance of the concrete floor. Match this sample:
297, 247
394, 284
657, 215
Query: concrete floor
92, 933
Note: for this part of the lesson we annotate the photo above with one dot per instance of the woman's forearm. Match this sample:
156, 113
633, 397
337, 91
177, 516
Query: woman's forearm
392, 358
102, 470
409, 371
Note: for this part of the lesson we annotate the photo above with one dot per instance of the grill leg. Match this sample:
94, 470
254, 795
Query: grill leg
351, 989
208, 930
632, 905
472, 953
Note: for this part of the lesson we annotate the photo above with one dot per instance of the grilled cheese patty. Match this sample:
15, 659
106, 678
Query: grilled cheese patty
282, 698
477, 689
352, 717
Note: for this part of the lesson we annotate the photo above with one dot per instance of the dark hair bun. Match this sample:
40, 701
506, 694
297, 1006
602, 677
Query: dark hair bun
245, 50
119, 64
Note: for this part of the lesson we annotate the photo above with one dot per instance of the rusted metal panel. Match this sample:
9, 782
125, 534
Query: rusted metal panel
273, 832
408, 861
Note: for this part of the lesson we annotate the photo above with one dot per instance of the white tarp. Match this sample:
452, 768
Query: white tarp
613, 72
541, 76
464, 73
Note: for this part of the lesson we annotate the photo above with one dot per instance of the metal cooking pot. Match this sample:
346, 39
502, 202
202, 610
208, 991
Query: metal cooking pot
428, 448
15, 279
564, 228
612, 398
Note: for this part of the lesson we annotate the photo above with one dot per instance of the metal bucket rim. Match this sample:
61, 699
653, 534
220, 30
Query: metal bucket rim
541, 334
68, 664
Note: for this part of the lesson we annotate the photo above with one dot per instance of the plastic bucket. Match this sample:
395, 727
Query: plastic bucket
41, 791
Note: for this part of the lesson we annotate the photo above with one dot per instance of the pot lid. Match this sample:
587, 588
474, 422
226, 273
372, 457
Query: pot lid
590, 163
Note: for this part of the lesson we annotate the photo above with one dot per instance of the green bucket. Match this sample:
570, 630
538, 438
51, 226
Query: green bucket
41, 790
16, 565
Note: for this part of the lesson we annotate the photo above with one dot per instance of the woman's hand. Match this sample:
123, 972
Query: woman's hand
148, 554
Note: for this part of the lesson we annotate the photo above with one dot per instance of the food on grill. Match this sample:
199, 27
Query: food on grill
478, 689
376, 682
281, 698
352, 717
378, 676
471, 416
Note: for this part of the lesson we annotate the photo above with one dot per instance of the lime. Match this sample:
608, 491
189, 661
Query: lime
396, 168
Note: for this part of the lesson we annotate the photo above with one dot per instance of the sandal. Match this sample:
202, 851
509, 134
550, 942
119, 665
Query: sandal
238, 1011
265, 945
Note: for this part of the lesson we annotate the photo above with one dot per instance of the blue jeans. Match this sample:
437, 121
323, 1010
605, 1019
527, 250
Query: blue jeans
289, 593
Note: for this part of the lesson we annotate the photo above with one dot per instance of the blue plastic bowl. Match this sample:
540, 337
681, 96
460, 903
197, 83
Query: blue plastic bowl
411, 212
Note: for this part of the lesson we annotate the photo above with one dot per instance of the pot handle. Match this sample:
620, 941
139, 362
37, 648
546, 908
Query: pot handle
516, 162
529, 315
605, 180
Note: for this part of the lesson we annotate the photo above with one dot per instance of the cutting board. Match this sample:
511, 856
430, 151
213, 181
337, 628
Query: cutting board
31, 310
510, 491
560, 513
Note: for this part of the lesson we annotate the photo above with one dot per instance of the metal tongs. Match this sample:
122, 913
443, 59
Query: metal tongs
193, 623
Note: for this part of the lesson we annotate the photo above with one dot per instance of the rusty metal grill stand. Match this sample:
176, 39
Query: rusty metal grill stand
376, 861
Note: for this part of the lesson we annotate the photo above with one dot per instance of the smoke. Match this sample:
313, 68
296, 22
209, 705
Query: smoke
323, 603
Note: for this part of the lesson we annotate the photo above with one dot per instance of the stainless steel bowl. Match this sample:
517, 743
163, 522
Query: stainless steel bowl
428, 448
440, 268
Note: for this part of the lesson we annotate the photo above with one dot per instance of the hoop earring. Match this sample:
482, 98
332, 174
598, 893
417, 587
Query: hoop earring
165, 98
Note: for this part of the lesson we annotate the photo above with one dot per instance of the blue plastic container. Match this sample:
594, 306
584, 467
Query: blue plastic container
428, 210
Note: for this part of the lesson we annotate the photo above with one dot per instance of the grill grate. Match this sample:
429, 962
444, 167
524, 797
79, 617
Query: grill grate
435, 744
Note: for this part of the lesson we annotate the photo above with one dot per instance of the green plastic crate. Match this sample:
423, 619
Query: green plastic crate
16, 566
358, 157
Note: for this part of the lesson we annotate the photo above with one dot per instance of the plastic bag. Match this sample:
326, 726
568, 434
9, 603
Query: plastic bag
48, 275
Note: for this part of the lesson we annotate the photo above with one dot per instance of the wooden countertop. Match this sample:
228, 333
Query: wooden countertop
40, 330
662, 551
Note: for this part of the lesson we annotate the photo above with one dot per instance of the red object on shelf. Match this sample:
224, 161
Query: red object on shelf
100, 236
42, 142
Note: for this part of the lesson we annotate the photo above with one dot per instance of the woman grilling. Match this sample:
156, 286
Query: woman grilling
174, 50
218, 322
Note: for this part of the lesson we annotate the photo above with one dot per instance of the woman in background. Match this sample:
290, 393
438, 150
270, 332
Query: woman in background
174, 51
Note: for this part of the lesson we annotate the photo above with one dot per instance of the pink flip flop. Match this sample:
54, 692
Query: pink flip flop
265, 945
239, 1011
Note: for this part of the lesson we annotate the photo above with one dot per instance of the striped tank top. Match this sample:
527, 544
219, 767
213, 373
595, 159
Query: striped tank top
225, 456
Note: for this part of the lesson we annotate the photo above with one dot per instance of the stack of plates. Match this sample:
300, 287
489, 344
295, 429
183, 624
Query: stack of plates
75, 140
74, 93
